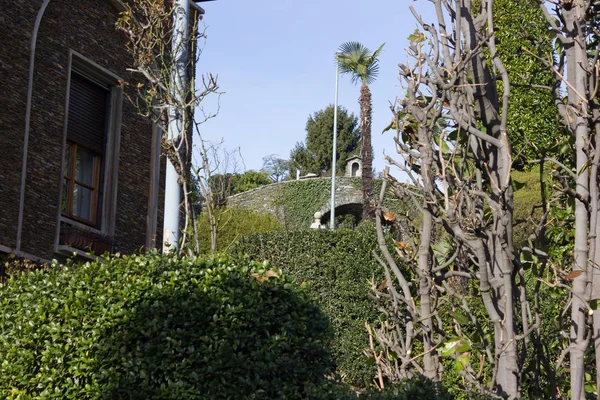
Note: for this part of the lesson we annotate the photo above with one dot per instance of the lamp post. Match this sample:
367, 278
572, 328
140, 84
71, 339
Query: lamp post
179, 83
335, 111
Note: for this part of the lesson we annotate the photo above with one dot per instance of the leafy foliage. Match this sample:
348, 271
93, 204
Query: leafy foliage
276, 167
527, 204
233, 222
522, 34
158, 327
228, 184
357, 60
301, 199
315, 155
336, 267
11, 265
418, 387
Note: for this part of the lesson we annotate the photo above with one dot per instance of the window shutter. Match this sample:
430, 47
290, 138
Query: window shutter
86, 124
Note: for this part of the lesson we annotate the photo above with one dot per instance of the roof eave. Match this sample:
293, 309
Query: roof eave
118, 4
196, 7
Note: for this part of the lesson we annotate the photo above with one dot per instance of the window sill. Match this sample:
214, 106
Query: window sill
72, 251
71, 222
82, 238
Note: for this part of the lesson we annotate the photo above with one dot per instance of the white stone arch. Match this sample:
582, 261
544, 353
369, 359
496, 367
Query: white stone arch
343, 205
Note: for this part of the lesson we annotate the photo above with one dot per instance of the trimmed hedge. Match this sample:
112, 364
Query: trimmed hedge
336, 267
417, 388
158, 327
232, 223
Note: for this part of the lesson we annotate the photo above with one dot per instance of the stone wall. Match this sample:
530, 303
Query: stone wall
87, 27
263, 199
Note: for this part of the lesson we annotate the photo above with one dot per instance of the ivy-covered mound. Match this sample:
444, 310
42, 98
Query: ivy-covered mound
336, 267
157, 327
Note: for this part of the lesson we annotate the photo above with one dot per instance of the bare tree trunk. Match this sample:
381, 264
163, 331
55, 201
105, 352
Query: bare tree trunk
595, 256
499, 165
579, 113
424, 266
595, 240
577, 110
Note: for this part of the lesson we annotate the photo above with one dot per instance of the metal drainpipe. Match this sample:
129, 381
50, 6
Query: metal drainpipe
36, 28
179, 85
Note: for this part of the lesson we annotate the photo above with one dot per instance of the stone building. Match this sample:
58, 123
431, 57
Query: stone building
354, 166
79, 170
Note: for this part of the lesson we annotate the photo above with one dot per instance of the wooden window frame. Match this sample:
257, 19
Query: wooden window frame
69, 176
106, 198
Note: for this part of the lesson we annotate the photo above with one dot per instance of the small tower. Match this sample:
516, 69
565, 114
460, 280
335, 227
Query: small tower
354, 166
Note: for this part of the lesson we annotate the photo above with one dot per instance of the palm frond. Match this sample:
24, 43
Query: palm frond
357, 60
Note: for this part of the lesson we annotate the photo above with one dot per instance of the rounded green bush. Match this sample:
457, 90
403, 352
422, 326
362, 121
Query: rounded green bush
232, 222
159, 327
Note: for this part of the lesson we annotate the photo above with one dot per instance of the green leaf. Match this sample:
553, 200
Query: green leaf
390, 126
416, 37
565, 149
455, 345
461, 318
461, 362
589, 388
452, 135
594, 303
517, 185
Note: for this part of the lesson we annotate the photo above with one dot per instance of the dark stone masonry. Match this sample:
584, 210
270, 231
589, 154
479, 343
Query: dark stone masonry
74, 37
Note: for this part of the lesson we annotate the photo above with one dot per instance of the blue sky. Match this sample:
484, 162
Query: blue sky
275, 62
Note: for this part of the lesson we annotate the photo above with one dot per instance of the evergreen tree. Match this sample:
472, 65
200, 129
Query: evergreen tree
315, 154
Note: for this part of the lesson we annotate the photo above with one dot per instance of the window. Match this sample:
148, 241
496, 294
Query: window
81, 184
91, 153
355, 167
86, 126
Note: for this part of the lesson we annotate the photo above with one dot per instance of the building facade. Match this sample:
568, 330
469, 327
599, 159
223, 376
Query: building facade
79, 168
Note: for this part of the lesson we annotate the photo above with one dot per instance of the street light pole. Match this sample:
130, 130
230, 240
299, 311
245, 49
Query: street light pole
335, 111
179, 52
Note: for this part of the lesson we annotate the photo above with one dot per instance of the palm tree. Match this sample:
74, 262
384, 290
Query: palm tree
355, 59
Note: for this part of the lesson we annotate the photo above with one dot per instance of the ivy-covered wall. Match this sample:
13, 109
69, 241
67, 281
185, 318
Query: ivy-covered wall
294, 203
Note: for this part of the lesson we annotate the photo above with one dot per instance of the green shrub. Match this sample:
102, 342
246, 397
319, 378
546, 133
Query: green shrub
11, 265
299, 200
234, 222
417, 388
336, 267
527, 195
157, 327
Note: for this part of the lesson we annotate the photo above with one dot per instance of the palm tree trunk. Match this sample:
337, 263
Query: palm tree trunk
366, 110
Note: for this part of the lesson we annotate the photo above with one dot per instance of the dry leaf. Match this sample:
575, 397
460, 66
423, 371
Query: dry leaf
401, 245
384, 284
388, 216
258, 277
573, 275
271, 274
